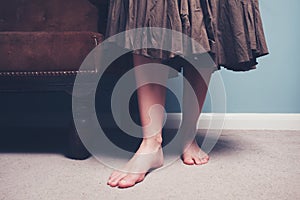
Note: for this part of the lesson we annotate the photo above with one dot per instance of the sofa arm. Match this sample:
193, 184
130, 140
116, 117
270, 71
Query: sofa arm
45, 51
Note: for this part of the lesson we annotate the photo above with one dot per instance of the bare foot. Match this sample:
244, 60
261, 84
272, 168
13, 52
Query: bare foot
194, 155
147, 157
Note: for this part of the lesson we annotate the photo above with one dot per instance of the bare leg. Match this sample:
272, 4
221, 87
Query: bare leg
149, 155
192, 153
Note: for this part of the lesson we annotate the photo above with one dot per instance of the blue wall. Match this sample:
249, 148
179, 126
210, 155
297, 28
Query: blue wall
274, 86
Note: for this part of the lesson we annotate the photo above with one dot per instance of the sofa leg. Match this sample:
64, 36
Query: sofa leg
76, 149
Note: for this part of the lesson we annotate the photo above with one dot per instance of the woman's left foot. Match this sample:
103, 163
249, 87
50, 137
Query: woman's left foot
147, 158
193, 154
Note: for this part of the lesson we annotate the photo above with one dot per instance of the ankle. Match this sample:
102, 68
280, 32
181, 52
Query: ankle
189, 143
153, 141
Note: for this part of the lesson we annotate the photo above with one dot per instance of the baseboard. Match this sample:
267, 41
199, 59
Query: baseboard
242, 121
234, 121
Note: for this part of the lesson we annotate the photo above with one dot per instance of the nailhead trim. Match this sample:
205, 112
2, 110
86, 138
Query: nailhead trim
48, 73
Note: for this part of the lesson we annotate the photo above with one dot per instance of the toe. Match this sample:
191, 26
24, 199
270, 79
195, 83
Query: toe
198, 161
126, 182
116, 179
115, 174
130, 180
188, 160
204, 160
113, 183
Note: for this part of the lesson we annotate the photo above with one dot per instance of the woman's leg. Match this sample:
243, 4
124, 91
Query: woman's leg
149, 155
192, 153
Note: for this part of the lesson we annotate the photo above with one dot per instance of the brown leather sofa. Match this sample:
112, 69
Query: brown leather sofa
43, 43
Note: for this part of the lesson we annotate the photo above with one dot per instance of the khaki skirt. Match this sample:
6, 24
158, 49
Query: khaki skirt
230, 31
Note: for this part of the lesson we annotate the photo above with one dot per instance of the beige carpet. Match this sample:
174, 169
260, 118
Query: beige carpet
244, 165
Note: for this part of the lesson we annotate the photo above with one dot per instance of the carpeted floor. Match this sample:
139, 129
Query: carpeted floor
243, 165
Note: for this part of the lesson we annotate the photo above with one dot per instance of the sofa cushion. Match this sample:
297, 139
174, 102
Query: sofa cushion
45, 51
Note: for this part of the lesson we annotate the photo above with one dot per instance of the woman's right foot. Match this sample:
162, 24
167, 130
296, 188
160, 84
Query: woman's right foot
149, 156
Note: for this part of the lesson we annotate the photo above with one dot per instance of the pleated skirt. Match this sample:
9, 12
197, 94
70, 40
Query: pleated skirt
230, 31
